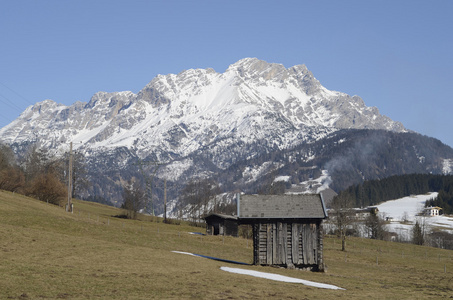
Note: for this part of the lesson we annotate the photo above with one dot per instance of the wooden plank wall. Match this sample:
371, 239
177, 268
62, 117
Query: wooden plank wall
287, 244
256, 243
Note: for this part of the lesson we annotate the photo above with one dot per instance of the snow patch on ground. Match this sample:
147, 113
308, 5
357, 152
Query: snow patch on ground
269, 276
280, 278
186, 253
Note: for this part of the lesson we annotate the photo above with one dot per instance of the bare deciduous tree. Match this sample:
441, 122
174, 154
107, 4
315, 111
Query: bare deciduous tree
197, 194
134, 198
43, 177
343, 216
35, 163
12, 179
47, 187
11, 176
6, 157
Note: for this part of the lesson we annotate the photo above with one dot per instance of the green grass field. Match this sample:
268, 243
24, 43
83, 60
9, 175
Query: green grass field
48, 253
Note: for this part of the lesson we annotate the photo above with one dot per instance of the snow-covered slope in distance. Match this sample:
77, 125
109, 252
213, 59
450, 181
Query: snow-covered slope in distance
404, 213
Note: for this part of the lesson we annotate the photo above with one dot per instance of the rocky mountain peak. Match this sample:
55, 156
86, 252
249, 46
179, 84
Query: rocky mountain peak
253, 68
117, 99
183, 112
45, 105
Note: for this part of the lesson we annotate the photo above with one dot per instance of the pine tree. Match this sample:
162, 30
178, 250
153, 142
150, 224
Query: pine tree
418, 234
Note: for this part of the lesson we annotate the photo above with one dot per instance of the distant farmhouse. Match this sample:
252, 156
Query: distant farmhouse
432, 211
359, 213
287, 229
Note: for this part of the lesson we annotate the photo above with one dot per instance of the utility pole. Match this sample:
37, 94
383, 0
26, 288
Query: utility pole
165, 200
69, 207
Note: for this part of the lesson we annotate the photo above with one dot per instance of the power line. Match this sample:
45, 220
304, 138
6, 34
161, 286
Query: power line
10, 103
28, 101
5, 100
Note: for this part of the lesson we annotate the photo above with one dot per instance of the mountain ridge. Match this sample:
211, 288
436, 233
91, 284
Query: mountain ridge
200, 123
292, 94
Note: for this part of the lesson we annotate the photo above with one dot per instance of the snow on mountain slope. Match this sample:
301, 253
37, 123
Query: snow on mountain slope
313, 185
447, 166
181, 113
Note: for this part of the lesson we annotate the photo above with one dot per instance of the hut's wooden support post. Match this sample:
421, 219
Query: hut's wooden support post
320, 260
256, 243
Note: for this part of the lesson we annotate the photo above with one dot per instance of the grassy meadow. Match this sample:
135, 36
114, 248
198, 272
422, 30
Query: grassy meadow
47, 253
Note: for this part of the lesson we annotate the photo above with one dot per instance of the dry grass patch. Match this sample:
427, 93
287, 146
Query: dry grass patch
48, 253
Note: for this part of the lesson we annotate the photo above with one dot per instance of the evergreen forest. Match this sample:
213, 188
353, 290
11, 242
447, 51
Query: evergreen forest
373, 192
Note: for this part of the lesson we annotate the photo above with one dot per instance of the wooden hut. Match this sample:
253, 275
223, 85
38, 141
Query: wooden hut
220, 224
287, 229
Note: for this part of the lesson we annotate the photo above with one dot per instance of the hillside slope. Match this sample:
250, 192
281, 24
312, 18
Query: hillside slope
48, 253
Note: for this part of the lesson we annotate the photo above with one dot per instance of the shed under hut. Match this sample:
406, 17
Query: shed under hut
220, 224
287, 229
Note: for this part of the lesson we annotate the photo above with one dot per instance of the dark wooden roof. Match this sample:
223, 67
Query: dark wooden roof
219, 216
302, 206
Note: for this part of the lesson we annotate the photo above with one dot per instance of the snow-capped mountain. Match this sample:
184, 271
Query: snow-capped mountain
201, 123
182, 113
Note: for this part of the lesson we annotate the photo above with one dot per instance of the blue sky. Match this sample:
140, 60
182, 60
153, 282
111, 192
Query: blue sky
396, 55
